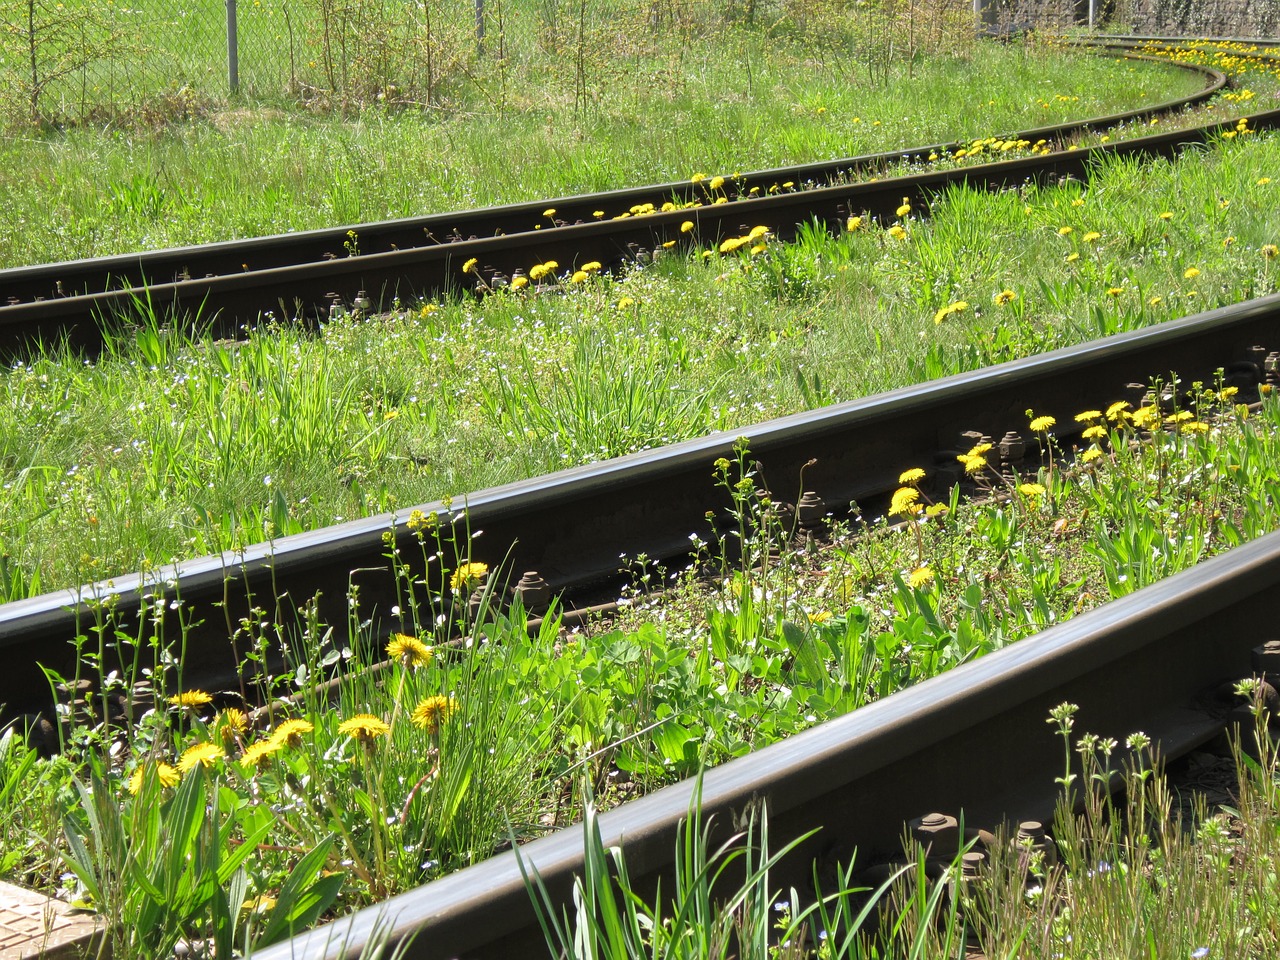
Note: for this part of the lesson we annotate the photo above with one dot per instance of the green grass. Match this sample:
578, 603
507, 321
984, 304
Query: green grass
169, 448
242, 171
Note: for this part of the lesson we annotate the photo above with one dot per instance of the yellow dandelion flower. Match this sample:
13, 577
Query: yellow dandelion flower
716, 183
1090, 455
914, 475
1065, 231
1072, 257
1166, 215
1091, 236
1263, 181
165, 774
1031, 489
364, 727
904, 502
598, 214
552, 265
905, 209
433, 711
1228, 241
852, 224
549, 212
1155, 301
758, 232
973, 462
1195, 426
625, 302
289, 733
1004, 297
470, 265
191, 699
1144, 415
820, 616
1088, 415
1041, 424
1095, 432
409, 650
199, 755
519, 282
1190, 273
255, 753
897, 232
686, 226
936, 509
920, 577
1269, 251
1114, 291
232, 722
732, 244
579, 276
538, 272
468, 576
591, 266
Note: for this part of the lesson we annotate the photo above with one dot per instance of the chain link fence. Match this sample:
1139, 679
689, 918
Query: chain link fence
87, 61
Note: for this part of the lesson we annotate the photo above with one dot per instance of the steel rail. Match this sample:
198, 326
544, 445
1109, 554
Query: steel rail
973, 742
572, 526
235, 283
79, 277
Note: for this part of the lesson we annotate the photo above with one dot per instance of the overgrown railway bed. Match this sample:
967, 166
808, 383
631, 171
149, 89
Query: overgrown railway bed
973, 740
309, 274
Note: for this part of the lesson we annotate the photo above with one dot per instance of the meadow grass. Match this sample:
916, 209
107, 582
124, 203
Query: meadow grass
243, 171
471, 728
169, 447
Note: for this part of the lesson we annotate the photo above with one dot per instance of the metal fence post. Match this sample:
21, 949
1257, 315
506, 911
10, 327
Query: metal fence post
233, 49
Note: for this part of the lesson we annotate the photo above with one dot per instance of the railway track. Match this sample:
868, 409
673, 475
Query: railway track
973, 740
361, 267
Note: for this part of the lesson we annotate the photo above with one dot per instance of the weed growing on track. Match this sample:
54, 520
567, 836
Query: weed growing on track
172, 446
251, 173
417, 764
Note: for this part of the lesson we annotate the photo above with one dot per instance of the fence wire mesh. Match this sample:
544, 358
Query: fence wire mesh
79, 61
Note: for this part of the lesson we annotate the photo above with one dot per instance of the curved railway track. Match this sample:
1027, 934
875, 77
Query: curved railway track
972, 740
307, 275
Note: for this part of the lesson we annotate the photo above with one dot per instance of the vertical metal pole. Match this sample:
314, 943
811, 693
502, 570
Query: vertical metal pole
233, 49
479, 29
1091, 13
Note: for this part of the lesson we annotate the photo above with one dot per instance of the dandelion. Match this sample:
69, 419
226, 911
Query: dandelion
432, 712
1031, 489
897, 232
905, 209
1155, 301
686, 226
820, 616
289, 733
1090, 455
598, 214
1091, 236
1042, 424
920, 577
409, 650
1095, 432
1005, 297
852, 224
1065, 231
1166, 215
1269, 251
1088, 415
914, 475
191, 699
470, 265
904, 502
1190, 273
519, 282
1072, 257
549, 212
467, 576
538, 271
165, 774
232, 722
255, 753
758, 232
1114, 291
364, 727
591, 266
978, 449
973, 463
199, 755
1228, 241
579, 276
1263, 181
936, 510
626, 302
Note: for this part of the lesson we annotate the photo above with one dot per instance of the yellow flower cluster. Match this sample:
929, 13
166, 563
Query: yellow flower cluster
956, 306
